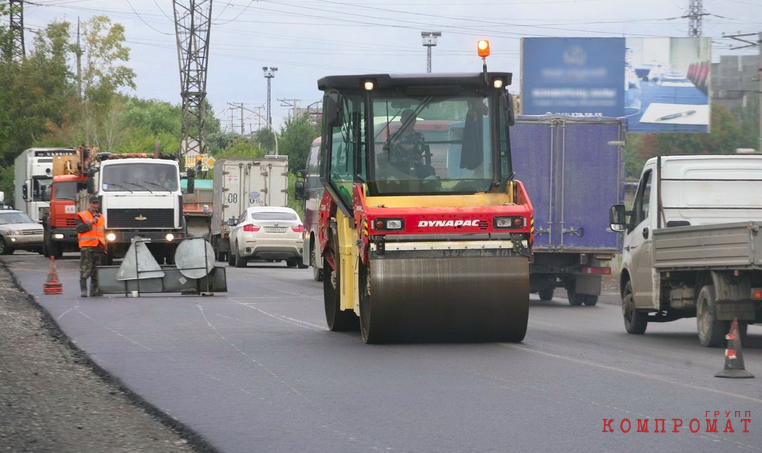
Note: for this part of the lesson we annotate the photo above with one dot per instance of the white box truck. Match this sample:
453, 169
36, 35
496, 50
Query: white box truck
692, 244
33, 177
240, 183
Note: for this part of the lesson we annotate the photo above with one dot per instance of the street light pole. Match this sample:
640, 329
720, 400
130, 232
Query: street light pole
269, 73
429, 40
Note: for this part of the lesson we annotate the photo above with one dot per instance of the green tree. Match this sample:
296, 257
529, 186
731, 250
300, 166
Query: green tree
296, 137
242, 148
105, 53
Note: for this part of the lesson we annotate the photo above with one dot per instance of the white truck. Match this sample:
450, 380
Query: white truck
139, 196
240, 183
693, 244
33, 177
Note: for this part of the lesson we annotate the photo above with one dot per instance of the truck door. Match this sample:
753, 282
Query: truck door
638, 242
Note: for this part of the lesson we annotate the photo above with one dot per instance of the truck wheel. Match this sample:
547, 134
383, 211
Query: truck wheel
239, 261
635, 322
711, 331
591, 300
317, 274
547, 293
574, 298
46, 247
337, 319
55, 250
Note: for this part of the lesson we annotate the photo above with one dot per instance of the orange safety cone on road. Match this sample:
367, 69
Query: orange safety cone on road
734, 366
53, 285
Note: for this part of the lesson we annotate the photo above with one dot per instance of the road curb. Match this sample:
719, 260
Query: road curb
195, 440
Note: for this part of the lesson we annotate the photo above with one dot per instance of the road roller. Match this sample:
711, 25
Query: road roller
424, 231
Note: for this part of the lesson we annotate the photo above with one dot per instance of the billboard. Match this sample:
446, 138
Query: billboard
572, 76
657, 84
667, 83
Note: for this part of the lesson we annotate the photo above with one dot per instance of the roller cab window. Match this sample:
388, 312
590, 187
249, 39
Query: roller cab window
431, 145
346, 145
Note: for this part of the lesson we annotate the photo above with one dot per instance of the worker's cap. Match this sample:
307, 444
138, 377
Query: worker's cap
95, 200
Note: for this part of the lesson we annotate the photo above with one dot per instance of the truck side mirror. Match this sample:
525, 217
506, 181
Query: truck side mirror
617, 217
299, 185
191, 176
25, 190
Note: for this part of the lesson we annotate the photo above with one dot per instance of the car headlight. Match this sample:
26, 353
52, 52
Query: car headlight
111, 237
170, 237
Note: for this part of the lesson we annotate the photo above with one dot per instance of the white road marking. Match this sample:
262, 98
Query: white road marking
240, 351
634, 373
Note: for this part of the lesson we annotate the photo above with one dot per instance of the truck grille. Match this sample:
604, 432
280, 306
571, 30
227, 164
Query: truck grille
71, 222
140, 218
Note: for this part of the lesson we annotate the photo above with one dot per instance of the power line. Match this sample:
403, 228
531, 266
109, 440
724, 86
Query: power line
141, 19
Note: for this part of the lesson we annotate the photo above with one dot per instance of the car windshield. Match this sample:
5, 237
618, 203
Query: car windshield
7, 218
273, 215
431, 145
146, 177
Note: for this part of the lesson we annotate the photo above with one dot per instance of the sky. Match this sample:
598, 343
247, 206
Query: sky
309, 39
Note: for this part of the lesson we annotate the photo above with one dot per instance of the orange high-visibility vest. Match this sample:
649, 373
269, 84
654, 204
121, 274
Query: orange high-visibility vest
96, 234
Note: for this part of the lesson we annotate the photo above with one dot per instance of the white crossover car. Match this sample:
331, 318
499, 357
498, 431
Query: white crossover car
267, 233
19, 232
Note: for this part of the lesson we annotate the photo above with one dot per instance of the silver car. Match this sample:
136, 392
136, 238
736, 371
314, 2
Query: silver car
19, 232
267, 233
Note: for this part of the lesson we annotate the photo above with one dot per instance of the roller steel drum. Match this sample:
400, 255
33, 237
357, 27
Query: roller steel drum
472, 295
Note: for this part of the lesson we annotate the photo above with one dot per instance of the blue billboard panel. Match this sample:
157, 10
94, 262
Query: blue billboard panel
667, 82
573, 76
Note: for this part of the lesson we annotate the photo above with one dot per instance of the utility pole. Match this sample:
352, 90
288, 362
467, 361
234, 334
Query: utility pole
269, 73
695, 14
429, 40
745, 38
192, 26
79, 65
292, 103
16, 14
237, 105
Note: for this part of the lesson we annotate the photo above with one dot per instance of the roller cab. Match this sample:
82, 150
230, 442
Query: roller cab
424, 232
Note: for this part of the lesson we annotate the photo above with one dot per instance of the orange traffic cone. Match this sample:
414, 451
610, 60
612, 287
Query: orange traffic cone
53, 285
734, 367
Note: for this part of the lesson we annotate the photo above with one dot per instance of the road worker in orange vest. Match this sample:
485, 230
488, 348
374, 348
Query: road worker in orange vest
92, 245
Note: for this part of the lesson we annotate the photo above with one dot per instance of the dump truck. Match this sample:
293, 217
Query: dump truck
422, 239
239, 183
60, 222
693, 245
574, 169
33, 177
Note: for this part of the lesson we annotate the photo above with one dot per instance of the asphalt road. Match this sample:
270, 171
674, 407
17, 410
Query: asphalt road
255, 370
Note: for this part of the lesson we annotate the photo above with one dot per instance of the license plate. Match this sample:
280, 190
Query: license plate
275, 229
